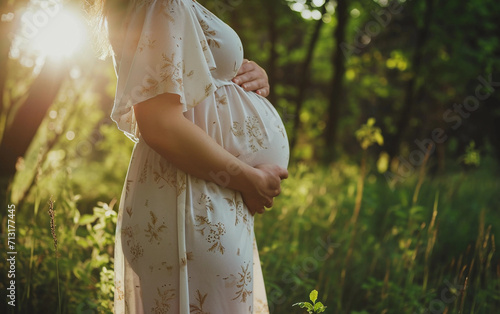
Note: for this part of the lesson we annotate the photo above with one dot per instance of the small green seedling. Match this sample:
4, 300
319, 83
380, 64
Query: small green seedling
312, 307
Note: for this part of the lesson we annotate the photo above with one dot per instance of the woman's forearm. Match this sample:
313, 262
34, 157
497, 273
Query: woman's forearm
189, 148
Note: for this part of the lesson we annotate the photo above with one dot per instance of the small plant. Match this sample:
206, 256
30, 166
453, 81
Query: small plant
312, 307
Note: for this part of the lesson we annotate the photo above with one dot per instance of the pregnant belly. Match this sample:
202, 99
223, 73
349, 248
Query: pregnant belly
245, 124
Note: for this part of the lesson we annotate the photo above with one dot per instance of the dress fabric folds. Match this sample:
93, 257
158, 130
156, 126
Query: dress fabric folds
185, 245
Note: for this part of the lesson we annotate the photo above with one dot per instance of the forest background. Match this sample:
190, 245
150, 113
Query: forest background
392, 112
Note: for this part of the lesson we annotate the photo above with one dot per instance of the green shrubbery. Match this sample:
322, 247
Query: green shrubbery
81, 266
424, 245
436, 253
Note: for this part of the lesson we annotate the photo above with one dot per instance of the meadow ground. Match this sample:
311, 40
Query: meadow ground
425, 245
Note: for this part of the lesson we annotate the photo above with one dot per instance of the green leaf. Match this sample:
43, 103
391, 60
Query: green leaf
313, 296
309, 307
305, 305
319, 308
379, 138
301, 304
86, 219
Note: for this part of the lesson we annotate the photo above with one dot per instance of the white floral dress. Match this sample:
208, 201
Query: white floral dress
185, 245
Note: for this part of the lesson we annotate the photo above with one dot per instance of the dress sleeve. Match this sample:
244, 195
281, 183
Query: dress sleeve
164, 51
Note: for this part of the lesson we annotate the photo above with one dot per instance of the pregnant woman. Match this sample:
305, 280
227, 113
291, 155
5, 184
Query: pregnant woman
208, 155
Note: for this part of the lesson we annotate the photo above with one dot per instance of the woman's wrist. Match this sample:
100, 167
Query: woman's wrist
245, 179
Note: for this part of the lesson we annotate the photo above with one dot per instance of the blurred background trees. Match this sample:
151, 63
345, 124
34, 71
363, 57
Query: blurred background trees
427, 71
406, 63
332, 64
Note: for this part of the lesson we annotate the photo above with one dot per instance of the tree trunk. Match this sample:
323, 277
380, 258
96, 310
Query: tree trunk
337, 91
18, 136
410, 98
304, 78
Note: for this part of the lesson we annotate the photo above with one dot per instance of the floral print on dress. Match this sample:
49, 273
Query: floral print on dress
170, 69
261, 306
147, 43
213, 233
197, 308
241, 282
209, 33
129, 211
165, 174
256, 139
206, 202
254, 131
128, 234
241, 212
137, 251
163, 300
144, 173
180, 183
154, 229
221, 99
237, 129
119, 294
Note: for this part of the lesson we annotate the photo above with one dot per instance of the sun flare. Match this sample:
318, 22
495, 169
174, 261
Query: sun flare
53, 31
63, 37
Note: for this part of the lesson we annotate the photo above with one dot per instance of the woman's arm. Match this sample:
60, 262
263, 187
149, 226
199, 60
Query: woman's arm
166, 130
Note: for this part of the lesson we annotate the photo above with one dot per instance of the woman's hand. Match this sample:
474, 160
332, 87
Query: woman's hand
266, 184
253, 78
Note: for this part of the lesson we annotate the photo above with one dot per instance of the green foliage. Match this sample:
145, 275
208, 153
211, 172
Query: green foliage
82, 266
369, 134
312, 307
472, 156
406, 255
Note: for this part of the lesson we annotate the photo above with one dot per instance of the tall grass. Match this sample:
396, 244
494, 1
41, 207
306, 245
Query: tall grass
52, 215
77, 279
428, 246
433, 254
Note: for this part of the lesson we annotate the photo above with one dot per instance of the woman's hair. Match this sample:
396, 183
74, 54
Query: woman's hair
106, 18
96, 12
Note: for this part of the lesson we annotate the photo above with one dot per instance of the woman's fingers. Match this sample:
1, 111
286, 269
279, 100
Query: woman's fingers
255, 84
252, 77
264, 92
283, 173
267, 187
270, 204
246, 66
252, 81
